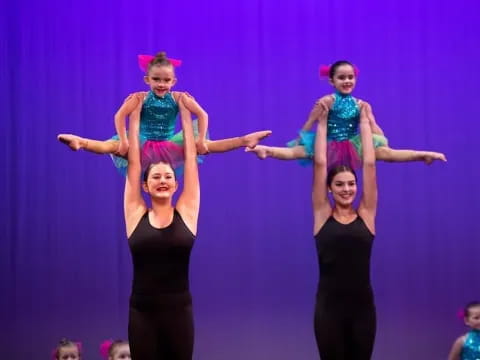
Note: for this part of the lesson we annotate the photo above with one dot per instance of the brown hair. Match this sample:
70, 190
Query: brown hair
336, 65
339, 169
159, 60
472, 304
151, 165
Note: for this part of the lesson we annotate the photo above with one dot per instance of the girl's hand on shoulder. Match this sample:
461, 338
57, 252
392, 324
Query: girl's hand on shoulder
365, 106
188, 95
122, 149
183, 97
321, 107
202, 147
136, 97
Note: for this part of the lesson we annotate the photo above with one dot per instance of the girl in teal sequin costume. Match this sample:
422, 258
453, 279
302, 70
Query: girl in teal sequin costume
157, 122
467, 347
344, 145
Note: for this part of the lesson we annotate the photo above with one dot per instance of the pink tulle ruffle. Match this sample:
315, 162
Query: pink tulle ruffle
162, 151
343, 153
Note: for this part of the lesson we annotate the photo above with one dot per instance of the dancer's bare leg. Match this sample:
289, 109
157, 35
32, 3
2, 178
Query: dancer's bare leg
250, 141
385, 153
280, 153
76, 143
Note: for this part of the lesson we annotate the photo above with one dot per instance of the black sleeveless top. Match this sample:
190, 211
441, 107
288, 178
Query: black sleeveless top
160, 257
344, 252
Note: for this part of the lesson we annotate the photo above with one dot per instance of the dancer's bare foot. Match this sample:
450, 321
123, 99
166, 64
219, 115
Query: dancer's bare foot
260, 150
251, 140
74, 142
430, 156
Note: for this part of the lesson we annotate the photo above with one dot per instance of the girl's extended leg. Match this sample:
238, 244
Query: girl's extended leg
385, 153
250, 141
99, 147
280, 153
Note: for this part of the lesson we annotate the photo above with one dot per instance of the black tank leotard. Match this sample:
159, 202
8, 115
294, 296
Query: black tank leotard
345, 320
161, 320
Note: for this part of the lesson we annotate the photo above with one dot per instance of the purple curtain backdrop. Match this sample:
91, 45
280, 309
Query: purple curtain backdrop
65, 266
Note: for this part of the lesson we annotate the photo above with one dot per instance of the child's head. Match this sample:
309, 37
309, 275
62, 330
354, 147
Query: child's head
67, 350
471, 314
343, 76
115, 350
160, 74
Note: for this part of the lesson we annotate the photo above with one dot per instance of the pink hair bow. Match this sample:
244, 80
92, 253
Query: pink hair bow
104, 348
324, 71
144, 60
461, 314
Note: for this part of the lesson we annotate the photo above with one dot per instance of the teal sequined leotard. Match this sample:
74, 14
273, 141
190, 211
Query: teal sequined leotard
343, 118
158, 117
471, 347
157, 139
344, 144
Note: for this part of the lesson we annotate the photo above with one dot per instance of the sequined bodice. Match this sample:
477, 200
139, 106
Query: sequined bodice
343, 118
158, 116
471, 347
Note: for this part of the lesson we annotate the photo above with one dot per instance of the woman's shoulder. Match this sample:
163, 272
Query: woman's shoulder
183, 219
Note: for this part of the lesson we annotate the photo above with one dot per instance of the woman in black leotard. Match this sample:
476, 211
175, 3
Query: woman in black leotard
345, 311
160, 239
